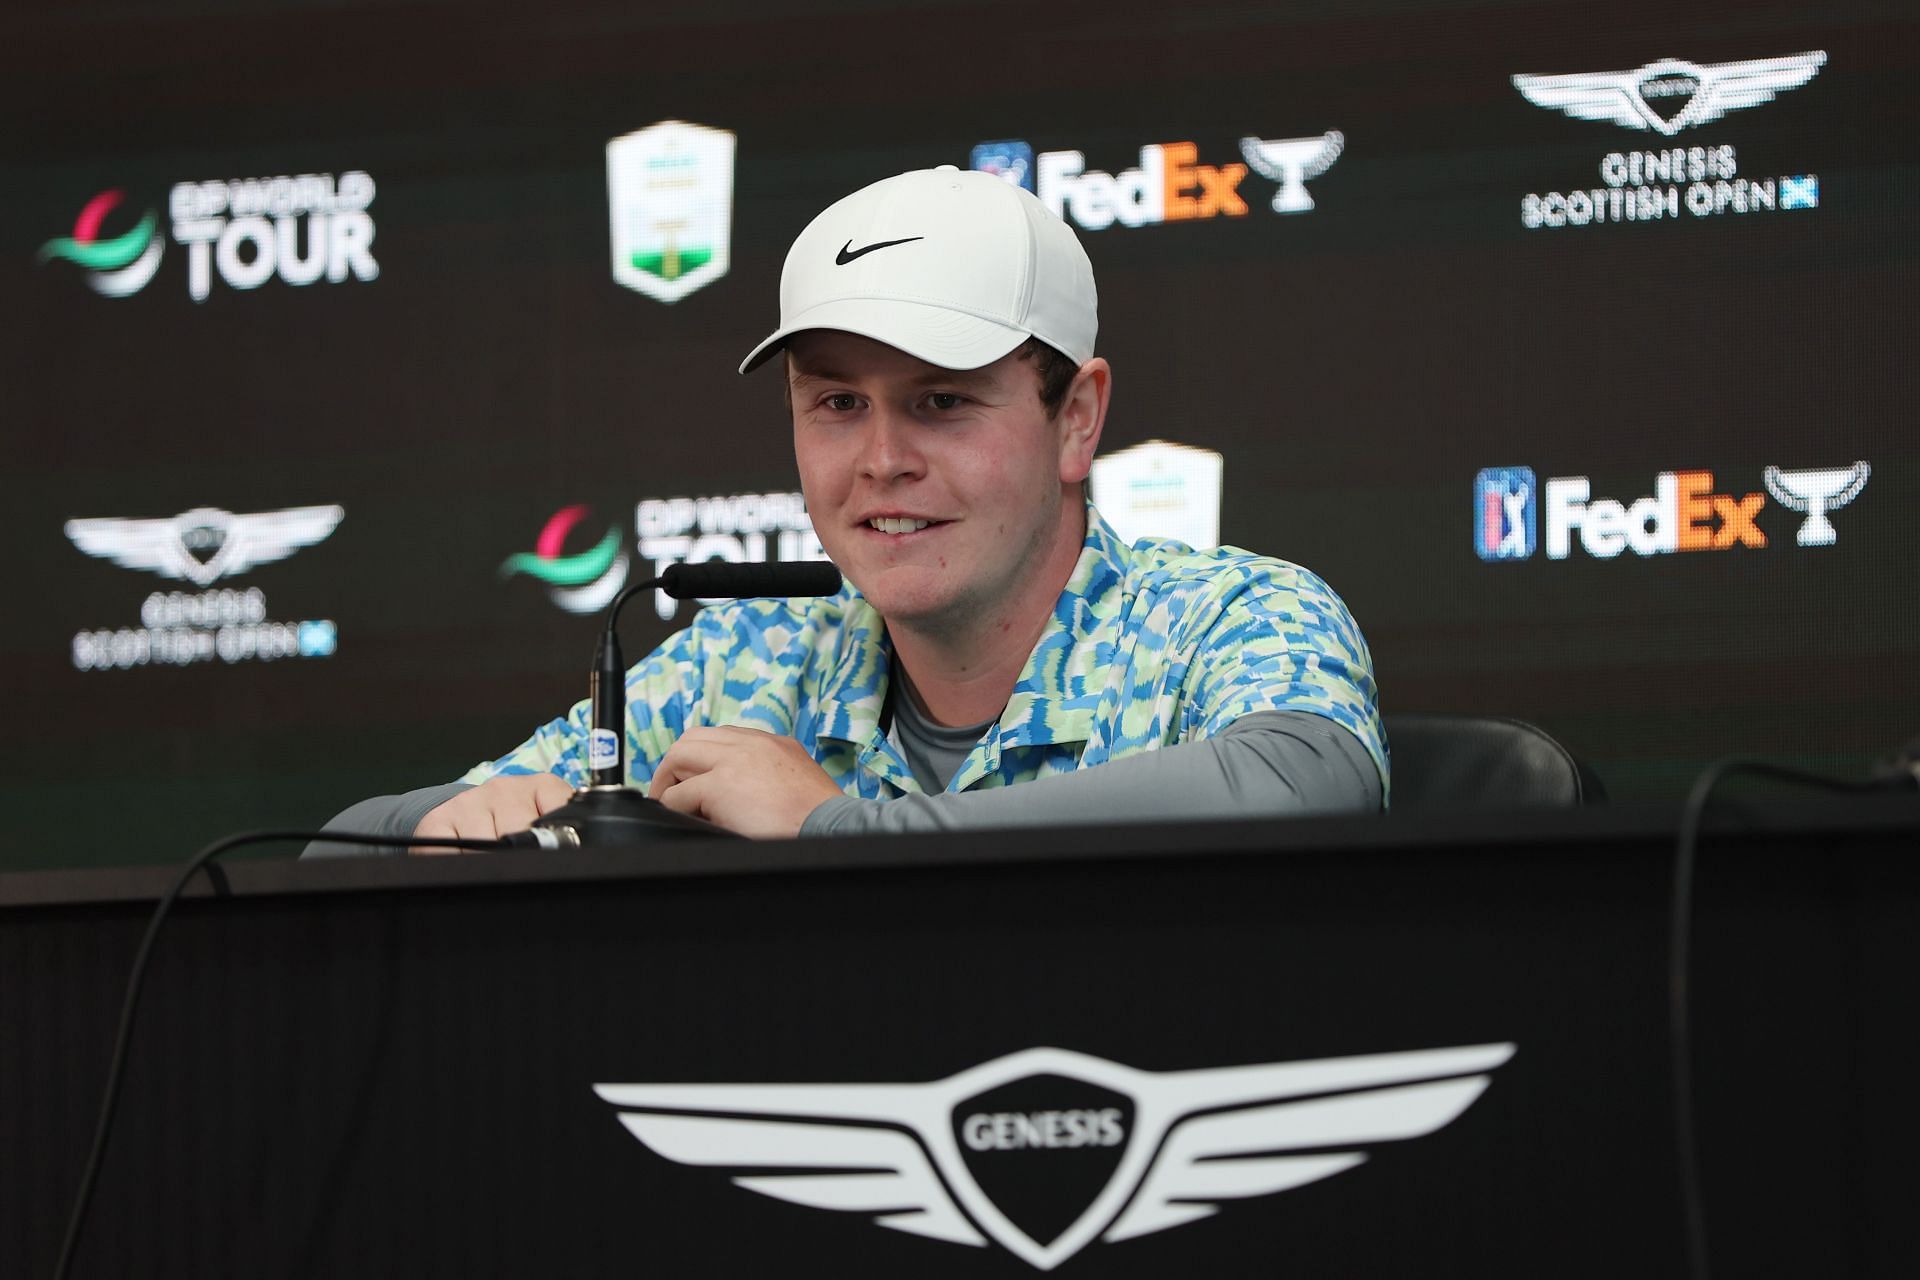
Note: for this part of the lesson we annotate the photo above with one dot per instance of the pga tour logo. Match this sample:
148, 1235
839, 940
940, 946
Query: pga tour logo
1046, 1151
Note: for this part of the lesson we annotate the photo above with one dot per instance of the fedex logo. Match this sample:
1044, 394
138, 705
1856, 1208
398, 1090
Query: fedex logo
1682, 514
1168, 185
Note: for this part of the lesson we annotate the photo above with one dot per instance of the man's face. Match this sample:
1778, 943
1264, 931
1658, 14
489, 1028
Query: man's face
938, 493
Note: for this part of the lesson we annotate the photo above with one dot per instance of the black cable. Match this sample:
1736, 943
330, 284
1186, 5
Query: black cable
117, 1067
1679, 960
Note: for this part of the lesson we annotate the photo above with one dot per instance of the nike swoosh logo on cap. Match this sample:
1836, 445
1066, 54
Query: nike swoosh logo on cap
842, 258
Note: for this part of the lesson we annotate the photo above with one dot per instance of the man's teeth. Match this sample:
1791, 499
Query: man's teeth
887, 524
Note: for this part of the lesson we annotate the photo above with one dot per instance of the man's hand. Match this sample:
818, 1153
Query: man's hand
756, 783
497, 807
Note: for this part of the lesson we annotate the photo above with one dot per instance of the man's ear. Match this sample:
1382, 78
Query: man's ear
1082, 416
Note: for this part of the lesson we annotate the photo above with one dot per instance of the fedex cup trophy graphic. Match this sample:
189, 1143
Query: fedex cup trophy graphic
1292, 162
1817, 492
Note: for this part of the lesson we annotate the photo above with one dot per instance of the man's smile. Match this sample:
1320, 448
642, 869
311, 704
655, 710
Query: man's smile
901, 528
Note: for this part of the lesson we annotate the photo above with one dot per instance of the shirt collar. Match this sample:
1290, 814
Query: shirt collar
1054, 699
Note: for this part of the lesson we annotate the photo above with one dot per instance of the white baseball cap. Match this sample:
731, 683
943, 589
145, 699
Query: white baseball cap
955, 268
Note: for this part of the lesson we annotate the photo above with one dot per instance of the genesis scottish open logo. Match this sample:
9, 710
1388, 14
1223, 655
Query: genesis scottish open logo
1045, 1151
1169, 184
202, 546
1666, 98
582, 583
119, 265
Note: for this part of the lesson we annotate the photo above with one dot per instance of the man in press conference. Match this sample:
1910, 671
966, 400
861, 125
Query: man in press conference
998, 657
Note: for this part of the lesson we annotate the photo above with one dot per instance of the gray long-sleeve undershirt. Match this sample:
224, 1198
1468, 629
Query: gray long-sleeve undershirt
1265, 765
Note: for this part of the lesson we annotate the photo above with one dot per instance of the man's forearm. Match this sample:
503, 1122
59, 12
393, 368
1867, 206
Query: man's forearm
394, 816
1269, 764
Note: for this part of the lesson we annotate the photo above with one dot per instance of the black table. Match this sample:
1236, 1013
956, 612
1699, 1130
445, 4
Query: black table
461, 1066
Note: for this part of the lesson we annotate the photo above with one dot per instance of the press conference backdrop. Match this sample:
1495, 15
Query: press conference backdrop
355, 353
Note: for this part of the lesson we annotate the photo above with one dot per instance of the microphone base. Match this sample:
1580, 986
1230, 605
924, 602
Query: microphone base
600, 816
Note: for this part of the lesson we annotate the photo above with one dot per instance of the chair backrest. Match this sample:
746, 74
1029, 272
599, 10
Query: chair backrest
1483, 762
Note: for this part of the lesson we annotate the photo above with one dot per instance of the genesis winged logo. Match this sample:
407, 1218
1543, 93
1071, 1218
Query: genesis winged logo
205, 544
118, 266
582, 583
1047, 1150
1672, 94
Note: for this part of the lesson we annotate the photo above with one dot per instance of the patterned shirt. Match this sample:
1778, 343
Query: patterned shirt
1148, 646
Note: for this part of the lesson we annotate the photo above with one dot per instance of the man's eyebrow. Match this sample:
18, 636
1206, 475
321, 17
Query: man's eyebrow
983, 377
803, 374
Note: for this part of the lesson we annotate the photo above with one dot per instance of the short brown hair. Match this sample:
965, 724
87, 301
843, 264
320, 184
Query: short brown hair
1056, 372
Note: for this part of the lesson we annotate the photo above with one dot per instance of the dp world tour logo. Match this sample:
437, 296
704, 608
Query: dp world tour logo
1045, 1151
583, 583
117, 266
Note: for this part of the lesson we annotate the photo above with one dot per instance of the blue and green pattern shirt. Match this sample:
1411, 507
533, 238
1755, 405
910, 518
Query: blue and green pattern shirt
1150, 645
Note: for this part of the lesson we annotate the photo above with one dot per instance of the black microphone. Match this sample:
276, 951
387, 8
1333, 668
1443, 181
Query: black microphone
607, 810
722, 579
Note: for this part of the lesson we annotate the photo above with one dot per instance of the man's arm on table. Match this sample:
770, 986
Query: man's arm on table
395, 816
1268, 764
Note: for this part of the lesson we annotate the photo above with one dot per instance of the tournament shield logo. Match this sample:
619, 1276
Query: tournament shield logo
670, 204
1045, 1151
1161, 490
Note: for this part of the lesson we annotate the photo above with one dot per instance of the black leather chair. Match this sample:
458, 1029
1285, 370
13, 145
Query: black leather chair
1461, 763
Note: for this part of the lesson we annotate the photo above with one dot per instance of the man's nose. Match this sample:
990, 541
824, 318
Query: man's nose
891, 450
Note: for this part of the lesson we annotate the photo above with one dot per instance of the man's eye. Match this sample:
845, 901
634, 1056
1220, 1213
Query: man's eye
844, 402
944, 400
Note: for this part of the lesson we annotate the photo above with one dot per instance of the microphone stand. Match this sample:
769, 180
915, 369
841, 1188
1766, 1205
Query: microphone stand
607, 811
